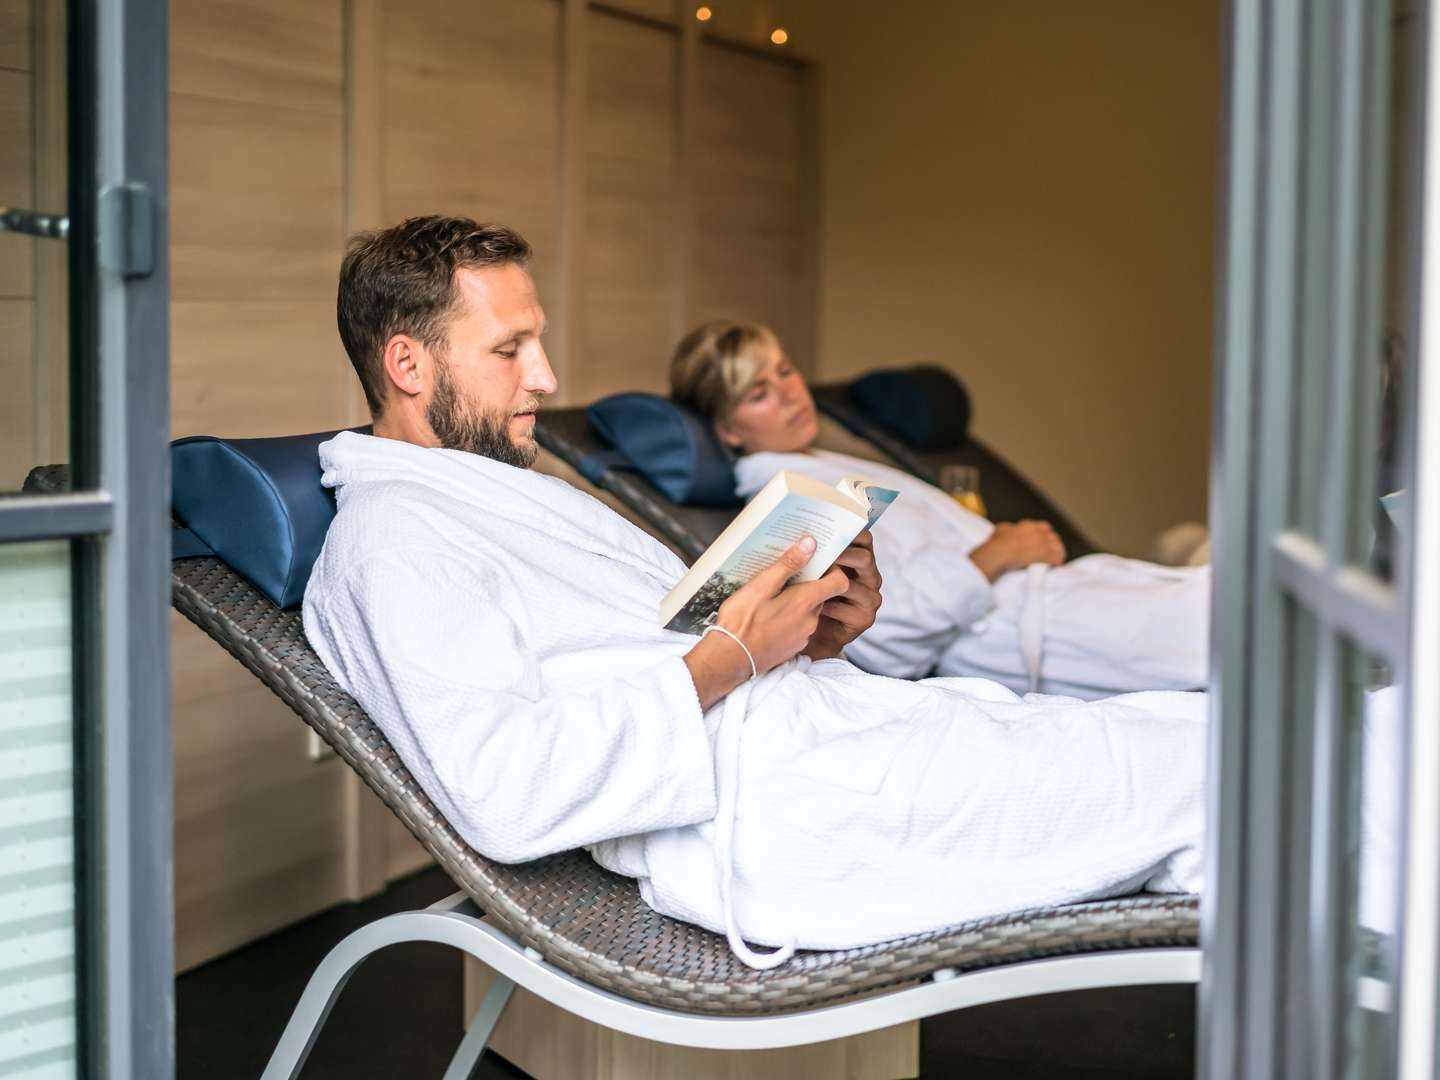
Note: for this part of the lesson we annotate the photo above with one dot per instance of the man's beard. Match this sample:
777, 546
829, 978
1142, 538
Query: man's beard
460, 426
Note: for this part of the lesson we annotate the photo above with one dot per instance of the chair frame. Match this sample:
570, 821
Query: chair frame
456, 921
580, 938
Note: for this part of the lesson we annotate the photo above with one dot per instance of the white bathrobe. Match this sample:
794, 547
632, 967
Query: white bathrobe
501, 627
1097, 626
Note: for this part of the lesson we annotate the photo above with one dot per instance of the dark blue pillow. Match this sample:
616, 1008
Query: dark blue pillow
256, 503
670, 445
926, 406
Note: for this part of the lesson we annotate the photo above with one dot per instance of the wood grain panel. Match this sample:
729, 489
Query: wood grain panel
15, 39
752, 247
256, 821
256, 368
471, 124
17, 136
257, 218
256, 201
52, 260
262, 52
628, 284
17, 401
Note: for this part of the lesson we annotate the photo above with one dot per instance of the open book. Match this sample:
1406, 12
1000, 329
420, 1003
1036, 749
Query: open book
785, 509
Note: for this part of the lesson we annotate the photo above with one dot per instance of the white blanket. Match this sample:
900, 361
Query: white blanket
501, 628
1097, 626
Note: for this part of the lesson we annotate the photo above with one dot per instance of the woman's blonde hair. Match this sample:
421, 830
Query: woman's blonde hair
715, 364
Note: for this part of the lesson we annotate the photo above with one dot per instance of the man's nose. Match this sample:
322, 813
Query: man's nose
539, 376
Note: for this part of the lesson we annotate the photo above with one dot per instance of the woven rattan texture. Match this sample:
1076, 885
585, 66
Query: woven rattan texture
593, 924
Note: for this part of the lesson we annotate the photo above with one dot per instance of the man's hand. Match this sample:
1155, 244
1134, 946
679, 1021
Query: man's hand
850, 614
1013, 547
774, 622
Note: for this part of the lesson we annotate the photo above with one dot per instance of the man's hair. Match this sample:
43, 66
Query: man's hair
401, 280
715, 364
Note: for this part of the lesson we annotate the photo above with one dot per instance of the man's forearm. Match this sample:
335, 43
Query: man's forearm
717, 665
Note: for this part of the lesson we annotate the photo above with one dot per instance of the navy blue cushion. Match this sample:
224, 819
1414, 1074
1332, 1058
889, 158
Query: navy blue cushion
926, 406
674, 448
258, 504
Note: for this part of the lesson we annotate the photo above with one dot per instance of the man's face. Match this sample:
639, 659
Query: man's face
492, 372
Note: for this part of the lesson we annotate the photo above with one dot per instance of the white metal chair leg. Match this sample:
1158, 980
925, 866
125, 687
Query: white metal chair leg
477, 1036
335, 970
457, 923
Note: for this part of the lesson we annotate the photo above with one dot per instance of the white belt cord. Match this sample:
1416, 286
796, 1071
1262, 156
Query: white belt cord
1032, 623
727, 772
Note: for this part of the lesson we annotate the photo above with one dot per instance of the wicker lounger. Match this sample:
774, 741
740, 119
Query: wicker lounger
581, 937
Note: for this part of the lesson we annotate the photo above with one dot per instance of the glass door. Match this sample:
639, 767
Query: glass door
85, 834
1320, 918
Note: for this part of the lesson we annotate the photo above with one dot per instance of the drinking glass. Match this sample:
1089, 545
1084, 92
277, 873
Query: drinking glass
963, 484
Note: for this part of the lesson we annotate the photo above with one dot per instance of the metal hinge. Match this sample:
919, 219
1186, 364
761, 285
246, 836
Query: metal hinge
127, 230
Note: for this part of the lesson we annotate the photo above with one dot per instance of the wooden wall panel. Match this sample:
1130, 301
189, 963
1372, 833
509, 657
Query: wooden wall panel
17, 253
17, 135
470, 124
15, 34
257, 204
17, 402
257, 823
628, 284
751, 254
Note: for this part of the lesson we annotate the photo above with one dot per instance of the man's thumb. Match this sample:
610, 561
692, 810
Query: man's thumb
799, 553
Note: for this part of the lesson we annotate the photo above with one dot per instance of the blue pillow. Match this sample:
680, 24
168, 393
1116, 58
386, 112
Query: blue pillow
256, 503
926, 406
670, 445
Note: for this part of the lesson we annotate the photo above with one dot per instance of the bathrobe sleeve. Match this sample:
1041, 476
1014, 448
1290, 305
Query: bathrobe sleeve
429, 649
930, 593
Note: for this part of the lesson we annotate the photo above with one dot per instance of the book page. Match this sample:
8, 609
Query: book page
792, 517
874, 498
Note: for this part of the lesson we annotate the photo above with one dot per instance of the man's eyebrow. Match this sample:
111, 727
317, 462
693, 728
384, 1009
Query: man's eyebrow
521, 335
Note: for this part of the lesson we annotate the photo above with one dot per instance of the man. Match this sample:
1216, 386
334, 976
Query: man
502, 628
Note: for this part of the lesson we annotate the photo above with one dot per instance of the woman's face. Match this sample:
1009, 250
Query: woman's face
776, 411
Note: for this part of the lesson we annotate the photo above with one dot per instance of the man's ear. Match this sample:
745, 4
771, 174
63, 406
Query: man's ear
403, 365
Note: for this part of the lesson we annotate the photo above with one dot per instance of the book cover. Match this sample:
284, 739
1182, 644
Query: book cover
788, 507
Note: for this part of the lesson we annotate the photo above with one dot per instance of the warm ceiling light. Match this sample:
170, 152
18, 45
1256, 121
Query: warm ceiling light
778, 36
703, 13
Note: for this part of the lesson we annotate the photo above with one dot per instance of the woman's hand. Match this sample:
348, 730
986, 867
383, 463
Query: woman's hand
850, 614
774, 622
1015, 546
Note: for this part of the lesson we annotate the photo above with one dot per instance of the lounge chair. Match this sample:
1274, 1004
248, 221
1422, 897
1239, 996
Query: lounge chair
572, 435
568, 931
920, 417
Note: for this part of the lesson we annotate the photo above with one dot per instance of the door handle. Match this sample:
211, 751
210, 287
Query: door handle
33, 223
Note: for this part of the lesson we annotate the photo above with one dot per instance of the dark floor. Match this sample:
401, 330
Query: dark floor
399, 1016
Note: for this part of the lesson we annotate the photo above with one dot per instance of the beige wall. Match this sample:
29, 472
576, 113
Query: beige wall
1026, 194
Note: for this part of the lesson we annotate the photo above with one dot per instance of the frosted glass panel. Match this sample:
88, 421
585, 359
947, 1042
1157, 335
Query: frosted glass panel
37, 865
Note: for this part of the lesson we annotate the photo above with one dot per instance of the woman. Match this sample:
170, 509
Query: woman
962, 596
